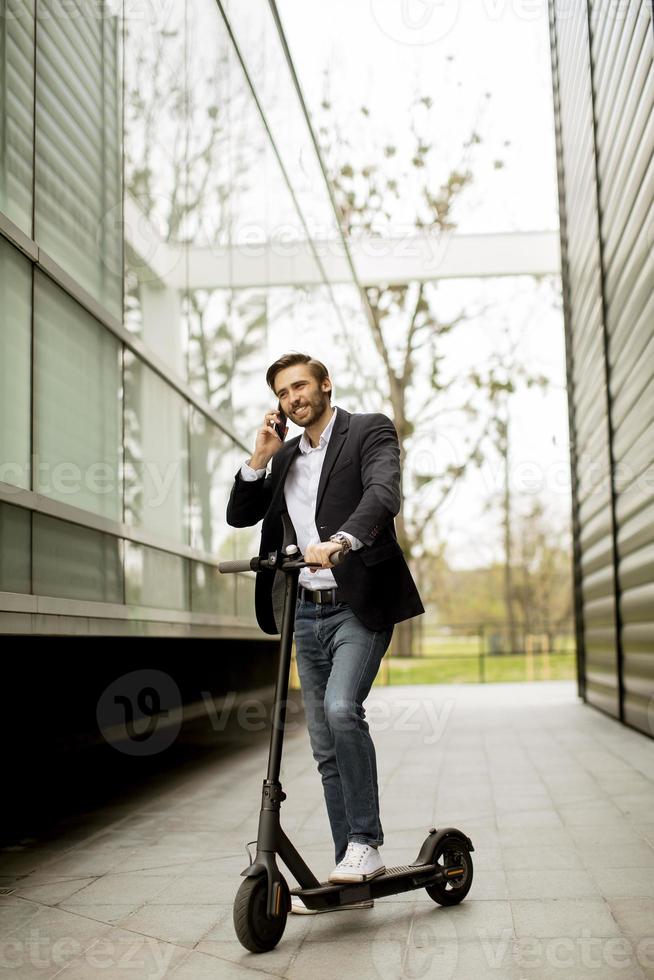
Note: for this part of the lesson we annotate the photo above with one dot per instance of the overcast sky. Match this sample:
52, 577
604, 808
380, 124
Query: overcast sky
381, 52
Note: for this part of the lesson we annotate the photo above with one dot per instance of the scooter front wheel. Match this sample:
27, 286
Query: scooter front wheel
254, 929
452, 853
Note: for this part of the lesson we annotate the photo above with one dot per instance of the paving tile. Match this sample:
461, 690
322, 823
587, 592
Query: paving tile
51, 892
14, 912
120, 955
518, 802
535, 837
110, 913
540, 858
575, 883
43, 944
199, 890
602, 814
631, 883
116, 888
425, 952
472, 919
644, 829
582, 958
82, 862
635, 916
277, 961
605, 836
635, 804
529, 818
156, 859
201, 965
489, 885
617, 855
183, 925
545, 918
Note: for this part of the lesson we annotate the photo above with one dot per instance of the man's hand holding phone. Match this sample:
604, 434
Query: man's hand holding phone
268, 440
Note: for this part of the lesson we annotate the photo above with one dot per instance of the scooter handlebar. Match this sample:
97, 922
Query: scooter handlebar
239, 565
255, 564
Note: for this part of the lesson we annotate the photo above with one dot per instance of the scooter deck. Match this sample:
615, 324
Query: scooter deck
392, 881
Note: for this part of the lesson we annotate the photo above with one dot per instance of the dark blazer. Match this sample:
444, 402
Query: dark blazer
359, 492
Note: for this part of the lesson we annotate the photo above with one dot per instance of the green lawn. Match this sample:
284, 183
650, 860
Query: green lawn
453, 669
471, 644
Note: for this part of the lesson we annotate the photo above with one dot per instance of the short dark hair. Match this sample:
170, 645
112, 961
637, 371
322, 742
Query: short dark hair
317, 368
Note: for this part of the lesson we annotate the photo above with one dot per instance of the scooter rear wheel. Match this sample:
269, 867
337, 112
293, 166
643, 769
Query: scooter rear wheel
450, 853
254, 929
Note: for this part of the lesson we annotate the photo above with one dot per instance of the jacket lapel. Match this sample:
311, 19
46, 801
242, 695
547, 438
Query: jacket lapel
334, 446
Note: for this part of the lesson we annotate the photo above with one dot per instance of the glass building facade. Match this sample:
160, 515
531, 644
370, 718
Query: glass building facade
157, 177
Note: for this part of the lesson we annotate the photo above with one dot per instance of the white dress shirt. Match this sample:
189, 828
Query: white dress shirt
301, 494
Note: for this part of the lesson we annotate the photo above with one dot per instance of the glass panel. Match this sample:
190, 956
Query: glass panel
77, 404
266, 234
212, 473
15, 562
211, 120
156, 149
78, 195
17, 110
76, 562
259, 42
228, 354
155, 578
212, 592
15, 371
245, 597
156, 453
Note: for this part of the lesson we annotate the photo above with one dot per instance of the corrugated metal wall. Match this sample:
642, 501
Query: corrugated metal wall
603, 76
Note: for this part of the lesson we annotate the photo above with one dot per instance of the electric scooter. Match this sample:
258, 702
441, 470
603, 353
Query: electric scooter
443, 866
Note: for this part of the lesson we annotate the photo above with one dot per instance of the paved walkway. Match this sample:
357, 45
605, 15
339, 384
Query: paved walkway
558, 801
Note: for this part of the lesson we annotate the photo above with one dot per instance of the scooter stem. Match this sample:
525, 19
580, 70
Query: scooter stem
281, 690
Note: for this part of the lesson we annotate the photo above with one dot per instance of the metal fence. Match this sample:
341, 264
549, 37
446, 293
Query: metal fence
484, 652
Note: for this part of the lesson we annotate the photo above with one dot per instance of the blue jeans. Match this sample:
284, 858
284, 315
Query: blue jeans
337, 661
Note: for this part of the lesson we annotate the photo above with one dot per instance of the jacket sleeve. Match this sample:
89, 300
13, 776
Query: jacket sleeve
380, 477
248, 501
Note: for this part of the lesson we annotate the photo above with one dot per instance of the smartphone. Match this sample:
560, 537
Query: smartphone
280, 427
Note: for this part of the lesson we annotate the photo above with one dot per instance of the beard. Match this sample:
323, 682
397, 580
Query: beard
314, 406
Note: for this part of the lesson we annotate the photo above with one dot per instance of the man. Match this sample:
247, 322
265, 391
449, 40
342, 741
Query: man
337, 486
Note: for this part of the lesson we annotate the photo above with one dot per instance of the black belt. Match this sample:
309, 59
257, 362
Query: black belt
321, 597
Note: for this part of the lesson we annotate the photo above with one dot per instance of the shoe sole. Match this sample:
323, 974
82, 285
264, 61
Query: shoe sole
345, 878
337, 908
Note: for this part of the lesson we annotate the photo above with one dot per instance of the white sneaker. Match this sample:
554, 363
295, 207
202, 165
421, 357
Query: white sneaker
298, 906
361, 862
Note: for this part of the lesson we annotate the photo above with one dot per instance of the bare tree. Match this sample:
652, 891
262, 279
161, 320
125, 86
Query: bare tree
542, 590
405, 326
512, 374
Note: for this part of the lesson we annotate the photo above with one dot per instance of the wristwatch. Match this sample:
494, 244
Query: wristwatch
343, 540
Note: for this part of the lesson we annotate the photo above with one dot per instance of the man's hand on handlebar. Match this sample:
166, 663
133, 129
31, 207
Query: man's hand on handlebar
319, 553
325, 555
